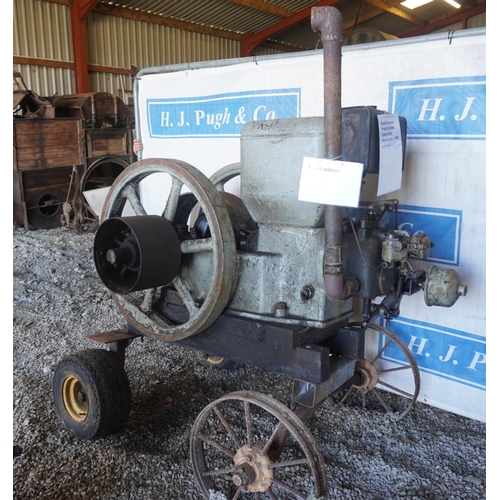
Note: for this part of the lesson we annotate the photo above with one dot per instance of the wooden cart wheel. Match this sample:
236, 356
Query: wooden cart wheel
203, 285
248, 445
373, 371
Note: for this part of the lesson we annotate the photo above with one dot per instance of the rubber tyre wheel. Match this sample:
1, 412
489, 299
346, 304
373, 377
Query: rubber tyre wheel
92, 393
215, 361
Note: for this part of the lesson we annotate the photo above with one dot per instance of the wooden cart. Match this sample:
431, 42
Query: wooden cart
65, 146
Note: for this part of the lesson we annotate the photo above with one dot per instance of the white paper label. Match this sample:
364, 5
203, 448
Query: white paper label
330, 182
391, 154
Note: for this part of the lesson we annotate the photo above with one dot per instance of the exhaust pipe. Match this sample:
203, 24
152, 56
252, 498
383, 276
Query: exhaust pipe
328, 21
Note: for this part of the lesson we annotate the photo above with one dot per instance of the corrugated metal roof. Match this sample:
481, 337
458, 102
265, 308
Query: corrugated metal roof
255, 16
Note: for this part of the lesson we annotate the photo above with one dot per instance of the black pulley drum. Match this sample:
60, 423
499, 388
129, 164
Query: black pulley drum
136, 253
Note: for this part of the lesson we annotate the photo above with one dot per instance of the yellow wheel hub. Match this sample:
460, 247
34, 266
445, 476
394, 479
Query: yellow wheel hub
74, 399
215, 360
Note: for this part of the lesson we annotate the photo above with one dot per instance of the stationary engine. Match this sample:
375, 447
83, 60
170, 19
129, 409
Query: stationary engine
259, 278
264, 279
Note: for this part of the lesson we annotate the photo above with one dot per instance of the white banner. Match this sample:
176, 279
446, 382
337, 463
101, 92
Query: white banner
439, 86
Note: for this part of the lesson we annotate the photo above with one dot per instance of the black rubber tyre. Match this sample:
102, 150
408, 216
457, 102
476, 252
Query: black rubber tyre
92, 393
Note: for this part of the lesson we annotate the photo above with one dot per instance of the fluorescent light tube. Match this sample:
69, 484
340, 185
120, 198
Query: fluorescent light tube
413, 4
455, 4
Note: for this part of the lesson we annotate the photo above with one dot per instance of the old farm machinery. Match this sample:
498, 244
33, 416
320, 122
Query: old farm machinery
65, 146
260, 279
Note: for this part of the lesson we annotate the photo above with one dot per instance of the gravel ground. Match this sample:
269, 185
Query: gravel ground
58, 300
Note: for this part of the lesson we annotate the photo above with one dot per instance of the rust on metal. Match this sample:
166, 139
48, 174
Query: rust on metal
369, 372
112, 336
328, 21
443, 287
254, 466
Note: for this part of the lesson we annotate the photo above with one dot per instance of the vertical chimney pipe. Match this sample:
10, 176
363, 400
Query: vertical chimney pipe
328, 21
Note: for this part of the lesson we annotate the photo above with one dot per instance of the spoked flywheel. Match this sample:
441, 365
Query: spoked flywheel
168, 279
219, 179
222, 176
248, 445
373, 372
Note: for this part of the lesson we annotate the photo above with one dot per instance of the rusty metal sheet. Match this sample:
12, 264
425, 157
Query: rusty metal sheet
112, 336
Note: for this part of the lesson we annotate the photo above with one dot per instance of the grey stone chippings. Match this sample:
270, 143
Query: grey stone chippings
58, 300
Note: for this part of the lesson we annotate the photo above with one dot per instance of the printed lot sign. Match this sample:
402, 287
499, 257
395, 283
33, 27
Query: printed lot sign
196, 115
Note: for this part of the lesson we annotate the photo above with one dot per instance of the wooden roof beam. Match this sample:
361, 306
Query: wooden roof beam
440, 22
283, 47
347, 27
264, 7
170, 22
379, 4
250, 41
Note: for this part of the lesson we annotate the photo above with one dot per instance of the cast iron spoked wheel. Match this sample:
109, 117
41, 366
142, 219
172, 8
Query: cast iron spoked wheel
92, 393
248, 445
373, 372
201, 289
100, 174
219, 179
224, 175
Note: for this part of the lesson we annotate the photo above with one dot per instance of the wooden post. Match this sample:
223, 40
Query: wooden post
80, 10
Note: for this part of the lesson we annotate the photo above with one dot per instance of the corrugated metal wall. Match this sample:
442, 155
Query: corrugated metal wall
477, 21
450, 27
47, 81
124, 43
43, 30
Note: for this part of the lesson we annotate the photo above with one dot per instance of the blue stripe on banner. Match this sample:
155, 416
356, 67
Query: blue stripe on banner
218, 116
441, 108
441, 351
